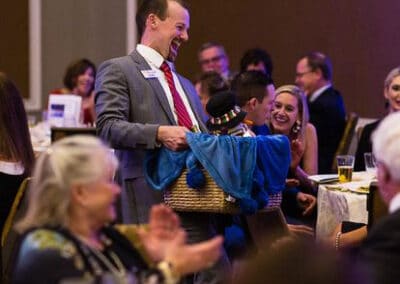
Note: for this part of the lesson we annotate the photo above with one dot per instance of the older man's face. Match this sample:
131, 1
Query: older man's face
306, 78
214, 59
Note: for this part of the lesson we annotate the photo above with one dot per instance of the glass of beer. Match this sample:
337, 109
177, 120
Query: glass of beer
345, 165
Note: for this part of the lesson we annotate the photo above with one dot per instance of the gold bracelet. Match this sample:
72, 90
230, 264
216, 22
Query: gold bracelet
170, 275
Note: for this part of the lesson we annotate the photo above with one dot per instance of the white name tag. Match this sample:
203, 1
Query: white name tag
148, 74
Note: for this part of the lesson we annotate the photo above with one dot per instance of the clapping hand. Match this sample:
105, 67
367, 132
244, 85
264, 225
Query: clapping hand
166, 240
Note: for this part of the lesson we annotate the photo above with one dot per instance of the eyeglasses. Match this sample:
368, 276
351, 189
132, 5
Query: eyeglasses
301, 74
214, 59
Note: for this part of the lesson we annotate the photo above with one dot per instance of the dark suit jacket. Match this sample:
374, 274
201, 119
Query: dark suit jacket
380, 252
364, 145
328, 115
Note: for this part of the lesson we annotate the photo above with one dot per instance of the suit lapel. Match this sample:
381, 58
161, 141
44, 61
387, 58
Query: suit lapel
155, 84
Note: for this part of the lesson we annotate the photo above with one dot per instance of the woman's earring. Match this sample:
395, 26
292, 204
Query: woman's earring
296, 127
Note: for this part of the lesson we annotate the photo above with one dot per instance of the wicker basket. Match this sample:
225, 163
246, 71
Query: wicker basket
211, 198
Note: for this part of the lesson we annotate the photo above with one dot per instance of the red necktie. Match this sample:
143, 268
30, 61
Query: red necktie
180, 109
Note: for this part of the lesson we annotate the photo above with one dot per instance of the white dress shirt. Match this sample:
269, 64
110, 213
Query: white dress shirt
154, 59
318, 92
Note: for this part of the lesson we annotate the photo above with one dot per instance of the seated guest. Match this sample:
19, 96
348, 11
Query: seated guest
213, 57
289, 116
327, 112
208, 84
67, 232
381, 249
256, 59
391, 91
352, 237
16, 153
255, 92
79, 80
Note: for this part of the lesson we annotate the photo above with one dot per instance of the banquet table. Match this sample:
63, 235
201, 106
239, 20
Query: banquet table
339, 202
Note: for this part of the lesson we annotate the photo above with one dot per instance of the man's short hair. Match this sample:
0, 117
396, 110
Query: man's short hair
254, 56
250, 84
157, 7
318, 60
386, 144
210, 44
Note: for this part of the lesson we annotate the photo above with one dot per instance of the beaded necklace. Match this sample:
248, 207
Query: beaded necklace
114, 266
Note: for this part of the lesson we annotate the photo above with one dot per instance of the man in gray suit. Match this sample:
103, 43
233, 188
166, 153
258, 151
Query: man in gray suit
134, 105
136, 109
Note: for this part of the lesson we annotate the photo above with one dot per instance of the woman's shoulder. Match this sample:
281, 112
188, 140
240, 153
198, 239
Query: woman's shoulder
44, 240
44, 248
311, 132
310, 127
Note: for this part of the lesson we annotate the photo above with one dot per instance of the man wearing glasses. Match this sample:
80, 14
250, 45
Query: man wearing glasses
326, 107
212, 57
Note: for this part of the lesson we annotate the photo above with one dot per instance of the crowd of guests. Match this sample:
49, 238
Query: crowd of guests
139, 103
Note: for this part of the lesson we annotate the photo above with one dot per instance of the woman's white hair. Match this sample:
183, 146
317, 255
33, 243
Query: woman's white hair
386, 144
73, 160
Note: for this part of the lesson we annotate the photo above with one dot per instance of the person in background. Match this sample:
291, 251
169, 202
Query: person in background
208, 84
256, 59
67, 232
289, 116
391, 92
212, 57
79, 80
325, 104
380, 251
16, 152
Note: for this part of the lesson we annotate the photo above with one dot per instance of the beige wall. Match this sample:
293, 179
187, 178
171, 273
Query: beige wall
14, 43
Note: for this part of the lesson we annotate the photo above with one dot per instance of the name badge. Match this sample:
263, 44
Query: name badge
148, 74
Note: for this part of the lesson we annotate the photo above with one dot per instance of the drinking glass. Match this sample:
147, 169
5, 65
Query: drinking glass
345, 165
370, 163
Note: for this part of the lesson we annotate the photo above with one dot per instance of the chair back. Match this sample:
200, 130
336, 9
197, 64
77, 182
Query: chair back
266, 226
345, 141
376, 207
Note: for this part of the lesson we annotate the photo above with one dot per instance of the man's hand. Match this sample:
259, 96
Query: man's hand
166, 240
306, 202
173, 137
164, 226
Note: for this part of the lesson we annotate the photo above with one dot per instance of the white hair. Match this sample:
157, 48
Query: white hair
73, 160
386, 144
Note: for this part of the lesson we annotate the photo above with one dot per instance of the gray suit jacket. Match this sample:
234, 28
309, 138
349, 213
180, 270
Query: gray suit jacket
130, 109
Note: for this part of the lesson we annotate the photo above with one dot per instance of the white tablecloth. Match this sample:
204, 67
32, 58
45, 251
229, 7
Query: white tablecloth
335, 206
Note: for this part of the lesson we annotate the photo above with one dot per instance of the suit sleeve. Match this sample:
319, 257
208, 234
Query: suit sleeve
114, 111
